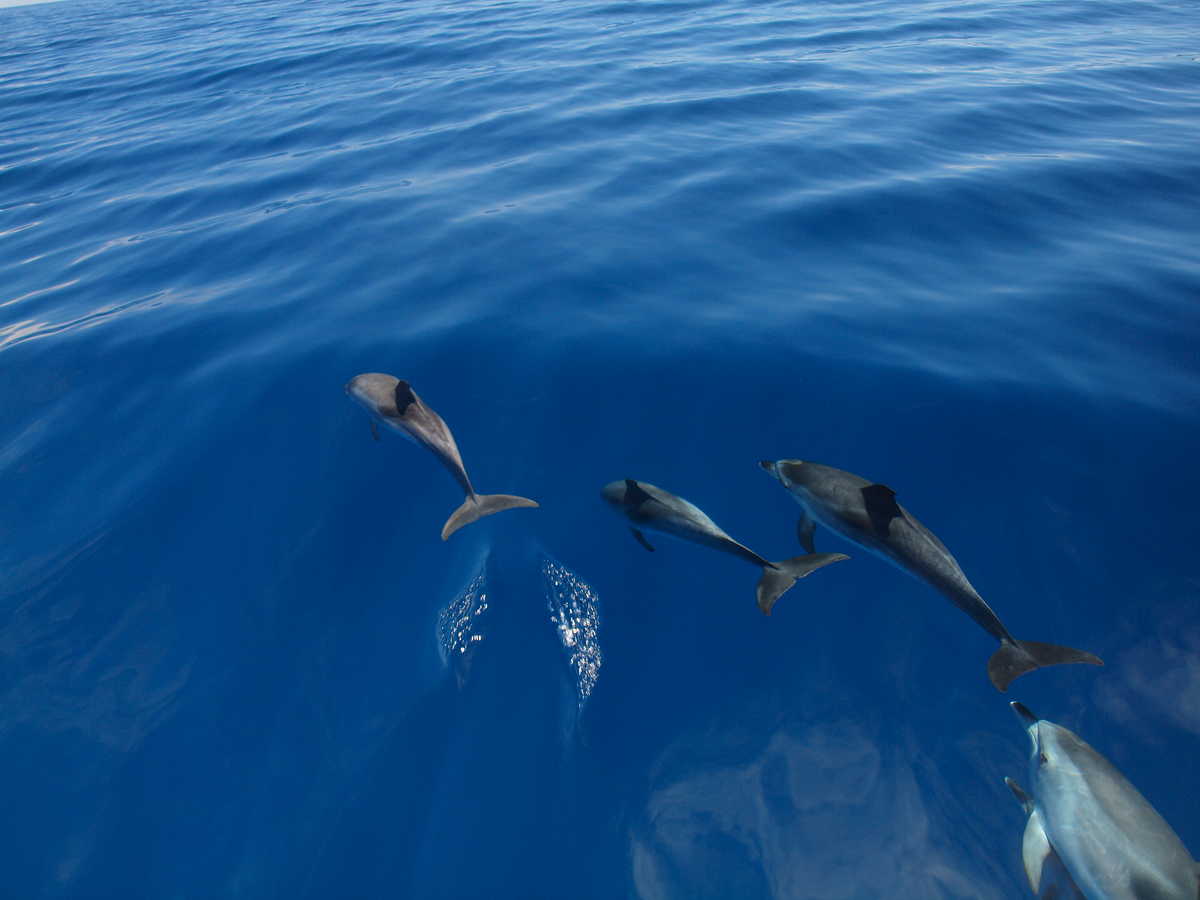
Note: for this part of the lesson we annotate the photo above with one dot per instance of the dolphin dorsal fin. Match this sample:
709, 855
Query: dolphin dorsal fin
882, 498
634, 493
882, 507
404, 397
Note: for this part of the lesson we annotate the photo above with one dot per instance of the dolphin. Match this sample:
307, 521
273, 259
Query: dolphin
1084, 816
867, 514
651, 508
397, 405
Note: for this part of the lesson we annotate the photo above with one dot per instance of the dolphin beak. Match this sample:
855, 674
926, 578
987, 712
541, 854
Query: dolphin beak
767, 465
1028, 719
614, 493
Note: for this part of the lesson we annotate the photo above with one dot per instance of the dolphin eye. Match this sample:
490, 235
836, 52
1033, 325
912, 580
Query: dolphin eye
1043, 758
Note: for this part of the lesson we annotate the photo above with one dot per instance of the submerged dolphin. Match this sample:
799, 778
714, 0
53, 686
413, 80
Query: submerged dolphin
396, 404
652, 509
868, 515
1085, 816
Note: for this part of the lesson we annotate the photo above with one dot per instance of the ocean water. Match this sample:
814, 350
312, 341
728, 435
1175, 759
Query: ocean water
949, 246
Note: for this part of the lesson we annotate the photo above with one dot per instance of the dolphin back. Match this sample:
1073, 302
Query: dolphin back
476, 506
1015, 658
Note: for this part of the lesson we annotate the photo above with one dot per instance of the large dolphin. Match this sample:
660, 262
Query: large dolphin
1084, 815
650, 508
868, 515
397, 405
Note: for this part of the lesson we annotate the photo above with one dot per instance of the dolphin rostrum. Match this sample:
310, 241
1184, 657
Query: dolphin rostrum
868, 515
396, 404
650, 508
1086, 816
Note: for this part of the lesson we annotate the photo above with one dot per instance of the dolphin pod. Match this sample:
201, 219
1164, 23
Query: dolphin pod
397, 405
1089, 834
867, 514
1086, 818
653, 509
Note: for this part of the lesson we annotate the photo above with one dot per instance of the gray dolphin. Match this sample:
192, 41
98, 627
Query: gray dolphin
651, 508
868, 515
1084, 815
397, 405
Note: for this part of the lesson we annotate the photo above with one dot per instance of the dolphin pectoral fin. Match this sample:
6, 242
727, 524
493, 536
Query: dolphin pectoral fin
880, 501
374, 429
1035, 849
804, 530
476, 506
776, 581
1023, 798
641, 539
1015, 658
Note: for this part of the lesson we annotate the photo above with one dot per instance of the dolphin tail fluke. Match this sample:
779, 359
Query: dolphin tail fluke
1015, 658
479, 505
776, 581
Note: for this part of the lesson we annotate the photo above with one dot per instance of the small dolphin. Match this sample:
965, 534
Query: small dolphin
653, 509
868, 515
396, 404
1085, 816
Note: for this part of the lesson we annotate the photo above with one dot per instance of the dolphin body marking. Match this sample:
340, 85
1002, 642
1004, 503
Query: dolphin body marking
651, 508
867, 514
394, 402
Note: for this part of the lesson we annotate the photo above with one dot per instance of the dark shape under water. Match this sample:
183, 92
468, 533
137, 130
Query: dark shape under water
652, 509
868, 515
397, 405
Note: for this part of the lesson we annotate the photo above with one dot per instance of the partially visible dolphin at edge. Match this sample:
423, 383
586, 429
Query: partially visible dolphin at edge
397, 405
1085, 816
868, 515
651, 508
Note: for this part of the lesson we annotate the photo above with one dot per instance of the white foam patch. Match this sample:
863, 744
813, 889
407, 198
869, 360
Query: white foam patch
460, 623
575, 612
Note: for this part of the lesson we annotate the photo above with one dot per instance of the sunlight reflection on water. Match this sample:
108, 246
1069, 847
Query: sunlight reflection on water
575, 612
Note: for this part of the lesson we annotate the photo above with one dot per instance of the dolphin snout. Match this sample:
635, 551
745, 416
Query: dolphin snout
614, 492
1023, 713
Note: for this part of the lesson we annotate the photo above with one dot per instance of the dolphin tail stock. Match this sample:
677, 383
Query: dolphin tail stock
476, 506
1015, 658
777, 580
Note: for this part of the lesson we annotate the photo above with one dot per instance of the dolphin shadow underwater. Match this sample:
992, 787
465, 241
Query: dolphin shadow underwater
394, 402
867, 514
651, 508
1086, 818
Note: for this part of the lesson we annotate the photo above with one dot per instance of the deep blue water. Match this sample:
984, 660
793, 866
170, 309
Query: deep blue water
949, 246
